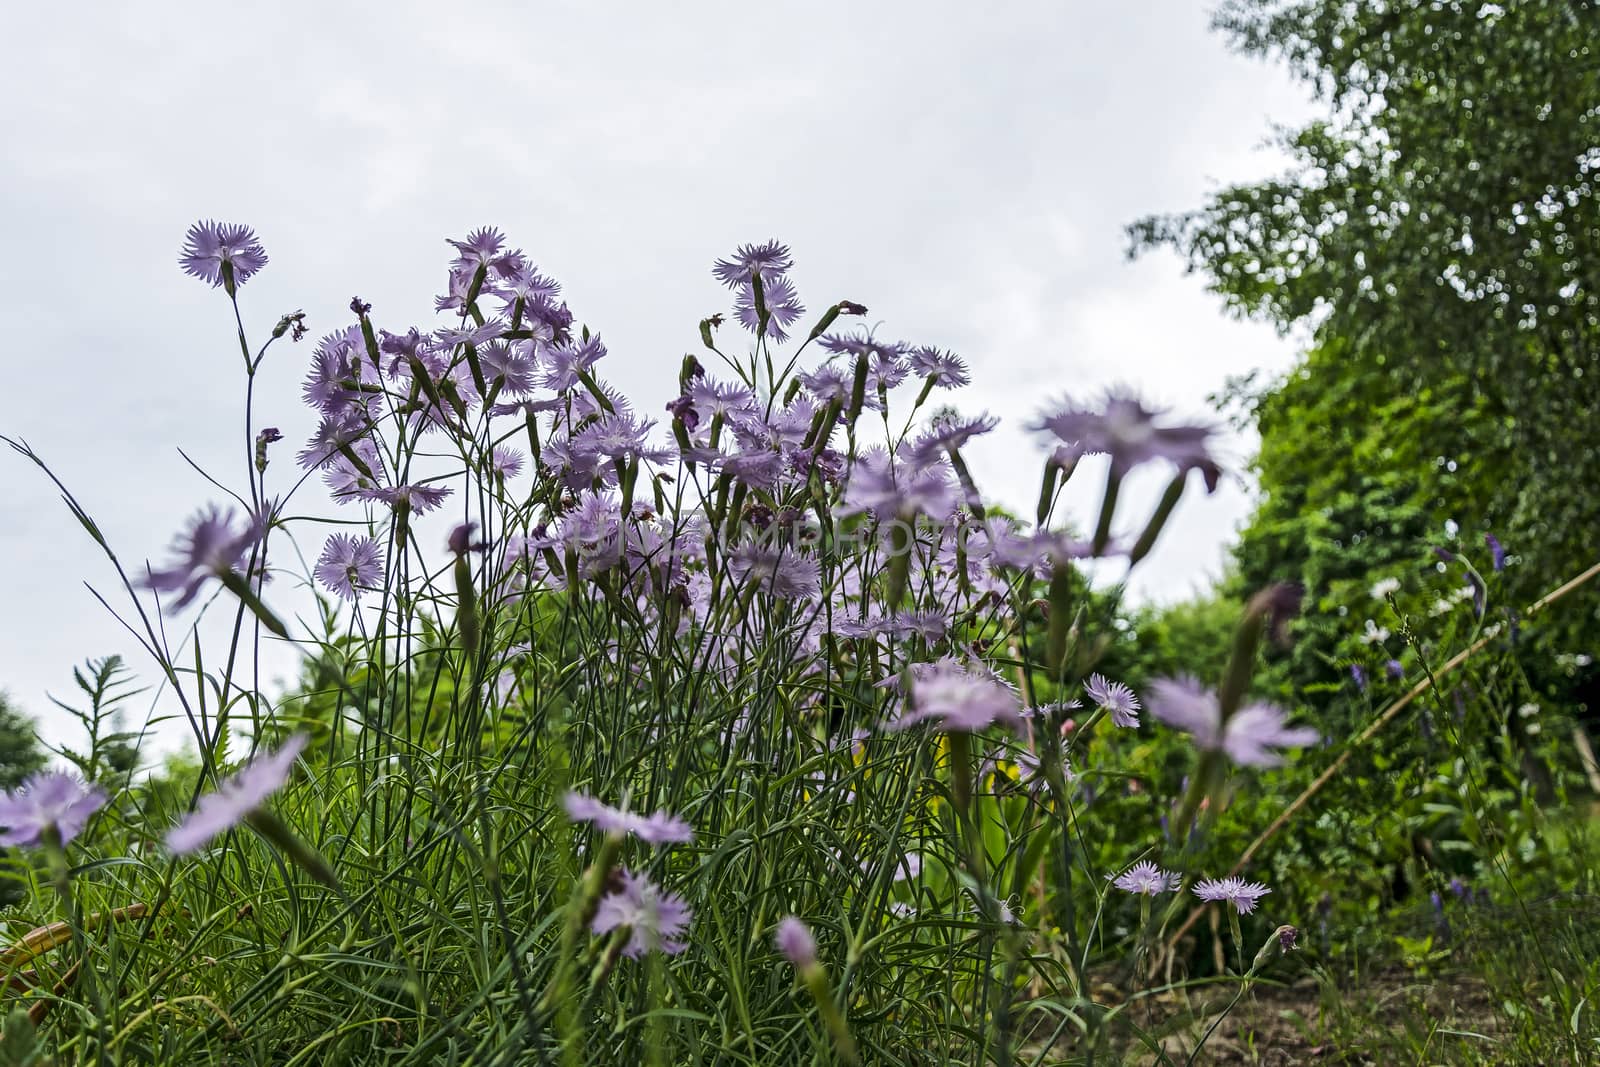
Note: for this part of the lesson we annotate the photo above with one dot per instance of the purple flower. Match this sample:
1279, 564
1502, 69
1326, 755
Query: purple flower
1145, 877
683, 409
661, 828
417, 499
525, 283
1236, 891
862, 343
783, 307
711, 397
947, 434
461, 541
1126, 430
350, 564
827, 382
506, 462
48, 804
1249, 735
1115, 698
886, 489
208, 245
1359, 676
1395, 669
618, 437
337, 430
958, 699
794, 940
237, 798
338, 367
656, 918
758, 470
769, 260
564, 363
948, 370
514, 367
473, 335
1496, 552
483, 248
210, 548
784, 573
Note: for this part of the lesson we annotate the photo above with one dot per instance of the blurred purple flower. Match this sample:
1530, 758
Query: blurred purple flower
461, 541
888, 489
660, 828
1126, 430
711, 397
862, 343
1250, 734
655, 917
48, 803
1236, 891
956, 698
208, 245
795, 941
236, 798
1359, 676
1496, 552
1145, 877
349, 565
211, 547
827, 382
1395, 669
417, 499
947, 434
1115, 698
781, 572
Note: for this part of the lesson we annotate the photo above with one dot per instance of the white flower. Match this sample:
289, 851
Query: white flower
1528, 709
1375, 635
1384, 588
1532, 728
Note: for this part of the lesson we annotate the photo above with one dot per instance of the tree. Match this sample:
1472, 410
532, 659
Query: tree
20, 751
1440, 232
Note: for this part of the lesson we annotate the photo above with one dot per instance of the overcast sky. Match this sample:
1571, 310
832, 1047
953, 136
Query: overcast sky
964, 170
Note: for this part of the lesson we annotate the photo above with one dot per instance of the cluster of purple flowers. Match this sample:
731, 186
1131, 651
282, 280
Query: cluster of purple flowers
1145, 878
743, 522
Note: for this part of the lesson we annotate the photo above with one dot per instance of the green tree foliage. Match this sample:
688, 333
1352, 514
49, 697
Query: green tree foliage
1439, 231
20, 752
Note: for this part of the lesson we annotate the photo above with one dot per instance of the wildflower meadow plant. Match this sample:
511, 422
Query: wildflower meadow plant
773, 615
